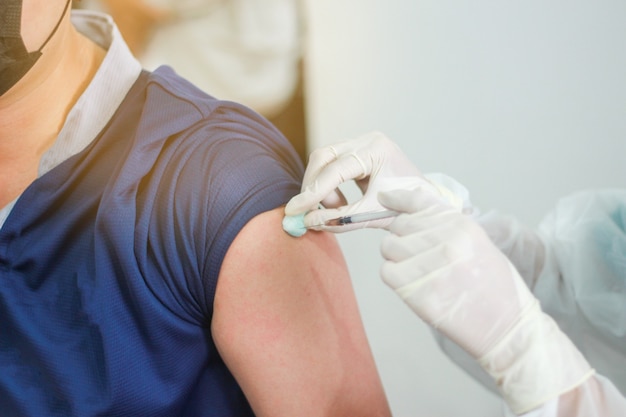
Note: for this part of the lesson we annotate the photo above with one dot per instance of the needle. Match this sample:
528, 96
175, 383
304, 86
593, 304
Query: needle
358, 218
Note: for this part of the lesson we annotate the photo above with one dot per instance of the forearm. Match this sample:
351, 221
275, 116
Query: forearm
521, 244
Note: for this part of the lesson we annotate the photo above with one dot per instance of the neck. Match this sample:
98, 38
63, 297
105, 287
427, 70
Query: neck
33, 112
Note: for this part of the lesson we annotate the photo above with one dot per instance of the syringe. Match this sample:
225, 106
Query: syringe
359, 218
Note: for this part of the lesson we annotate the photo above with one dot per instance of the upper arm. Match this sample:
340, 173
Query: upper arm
288, 327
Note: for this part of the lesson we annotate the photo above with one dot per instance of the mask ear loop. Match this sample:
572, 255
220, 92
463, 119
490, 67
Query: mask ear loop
56, 27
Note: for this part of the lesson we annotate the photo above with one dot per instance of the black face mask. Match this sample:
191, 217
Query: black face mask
15, 60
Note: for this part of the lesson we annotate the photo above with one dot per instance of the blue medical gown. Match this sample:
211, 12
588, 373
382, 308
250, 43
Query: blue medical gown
109, 262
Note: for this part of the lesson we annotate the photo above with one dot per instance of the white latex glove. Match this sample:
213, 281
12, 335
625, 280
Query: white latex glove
445, 267
597, 397
375, 163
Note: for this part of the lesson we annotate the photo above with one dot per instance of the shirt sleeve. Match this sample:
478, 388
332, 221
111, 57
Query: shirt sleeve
216, 176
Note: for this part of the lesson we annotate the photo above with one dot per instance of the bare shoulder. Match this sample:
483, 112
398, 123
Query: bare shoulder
287, 324
264, 241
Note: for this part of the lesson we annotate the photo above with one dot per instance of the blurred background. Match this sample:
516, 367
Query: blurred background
522, 101
248, 51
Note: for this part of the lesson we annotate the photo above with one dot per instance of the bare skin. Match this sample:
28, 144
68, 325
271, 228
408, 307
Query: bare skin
288, 326
38, 104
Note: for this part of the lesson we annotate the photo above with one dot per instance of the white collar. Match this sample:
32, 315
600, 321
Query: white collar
95, 107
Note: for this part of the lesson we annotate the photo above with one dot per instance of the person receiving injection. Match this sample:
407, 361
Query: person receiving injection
479, 278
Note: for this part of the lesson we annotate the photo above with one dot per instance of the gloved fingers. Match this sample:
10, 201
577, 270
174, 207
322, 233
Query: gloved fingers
363, 184
318, 159
407, 275
345, 168
323, 188
397, 248
424, 194
419, 198
369, 150
450, 243
344, 160
330, 166
373, 161
315, 219
310, 194
439, 222
312, 197
381, 156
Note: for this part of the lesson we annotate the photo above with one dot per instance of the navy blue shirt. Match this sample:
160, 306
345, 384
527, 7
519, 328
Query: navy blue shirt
109, 262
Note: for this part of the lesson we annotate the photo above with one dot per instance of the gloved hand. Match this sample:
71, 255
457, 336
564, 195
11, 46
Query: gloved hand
447, 270
374, 162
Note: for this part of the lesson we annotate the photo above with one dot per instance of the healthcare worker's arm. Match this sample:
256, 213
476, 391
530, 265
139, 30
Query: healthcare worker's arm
450, 273
287, 324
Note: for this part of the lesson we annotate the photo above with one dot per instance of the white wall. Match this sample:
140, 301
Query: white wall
522, 101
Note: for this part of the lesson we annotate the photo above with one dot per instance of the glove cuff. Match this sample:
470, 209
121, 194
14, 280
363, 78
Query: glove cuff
535, 362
